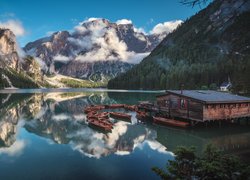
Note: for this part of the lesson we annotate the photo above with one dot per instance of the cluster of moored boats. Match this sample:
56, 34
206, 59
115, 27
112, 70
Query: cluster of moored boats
99, 118
96, 117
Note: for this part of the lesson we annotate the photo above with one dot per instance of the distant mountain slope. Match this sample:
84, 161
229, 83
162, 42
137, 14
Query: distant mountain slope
96, 50
206, 50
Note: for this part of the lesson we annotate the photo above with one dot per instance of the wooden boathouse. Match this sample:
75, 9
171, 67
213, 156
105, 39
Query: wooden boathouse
199, 105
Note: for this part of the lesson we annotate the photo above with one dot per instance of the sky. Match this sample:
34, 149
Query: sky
33, 19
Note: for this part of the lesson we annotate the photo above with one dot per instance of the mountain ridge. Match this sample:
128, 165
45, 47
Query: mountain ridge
93, 42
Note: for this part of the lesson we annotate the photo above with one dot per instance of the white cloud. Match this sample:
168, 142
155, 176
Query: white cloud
61, 58
15, 26
14, 150
166, 27
20, 51
61, 117
136, 58
120, 128
128, 21
96, 28
155, 145
84, 42
104, 43
124, 21
139, 30
42, 64
92, 19
122, 153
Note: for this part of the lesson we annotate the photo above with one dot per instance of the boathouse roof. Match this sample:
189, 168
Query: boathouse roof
208, 96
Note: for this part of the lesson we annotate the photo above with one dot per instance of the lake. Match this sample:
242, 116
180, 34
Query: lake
44, 135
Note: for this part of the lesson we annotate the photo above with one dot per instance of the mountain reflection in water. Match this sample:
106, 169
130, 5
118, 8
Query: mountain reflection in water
58, 119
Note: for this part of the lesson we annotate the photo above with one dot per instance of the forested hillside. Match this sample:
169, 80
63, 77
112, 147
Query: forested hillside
203, 52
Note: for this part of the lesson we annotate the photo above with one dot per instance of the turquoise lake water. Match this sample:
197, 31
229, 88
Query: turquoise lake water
44, 135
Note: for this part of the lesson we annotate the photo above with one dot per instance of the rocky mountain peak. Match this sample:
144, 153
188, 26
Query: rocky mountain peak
97, 22
92, 41
60, 35
7, 41
8, 49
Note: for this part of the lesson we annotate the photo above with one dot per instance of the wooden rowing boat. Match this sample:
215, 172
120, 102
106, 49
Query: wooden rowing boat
114, 106
100, 124
103, 115
130, 107
96, 115
141, 115
118, 115
87, 110
170, 122
107, 121
93, 108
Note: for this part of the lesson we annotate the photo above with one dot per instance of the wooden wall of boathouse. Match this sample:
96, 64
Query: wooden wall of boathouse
181, 107
226, 111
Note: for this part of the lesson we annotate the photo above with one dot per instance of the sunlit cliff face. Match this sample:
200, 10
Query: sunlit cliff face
8, 127
8, 48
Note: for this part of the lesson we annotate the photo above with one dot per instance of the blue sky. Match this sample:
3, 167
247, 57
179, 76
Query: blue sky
39, 17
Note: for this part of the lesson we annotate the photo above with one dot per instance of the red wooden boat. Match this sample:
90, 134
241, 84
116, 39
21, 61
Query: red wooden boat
120, 115
107, 121
96, 115
87, 110
170, 122
92, 114
141, 115
114, 106
94, 108
100, 124
103, 115
130, 107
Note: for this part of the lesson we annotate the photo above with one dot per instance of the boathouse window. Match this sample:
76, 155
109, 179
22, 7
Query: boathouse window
167, 103
183, 103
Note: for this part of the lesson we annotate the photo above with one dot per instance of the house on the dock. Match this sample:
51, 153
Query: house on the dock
199, 105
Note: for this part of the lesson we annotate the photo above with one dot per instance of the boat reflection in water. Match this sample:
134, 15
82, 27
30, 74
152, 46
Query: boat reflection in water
52, 126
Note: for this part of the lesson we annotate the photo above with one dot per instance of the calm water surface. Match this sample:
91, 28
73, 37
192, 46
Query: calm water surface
44, 135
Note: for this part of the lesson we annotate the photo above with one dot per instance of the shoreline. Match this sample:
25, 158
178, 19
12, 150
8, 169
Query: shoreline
49, 90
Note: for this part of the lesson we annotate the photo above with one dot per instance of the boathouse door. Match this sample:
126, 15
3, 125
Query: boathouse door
168, 105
